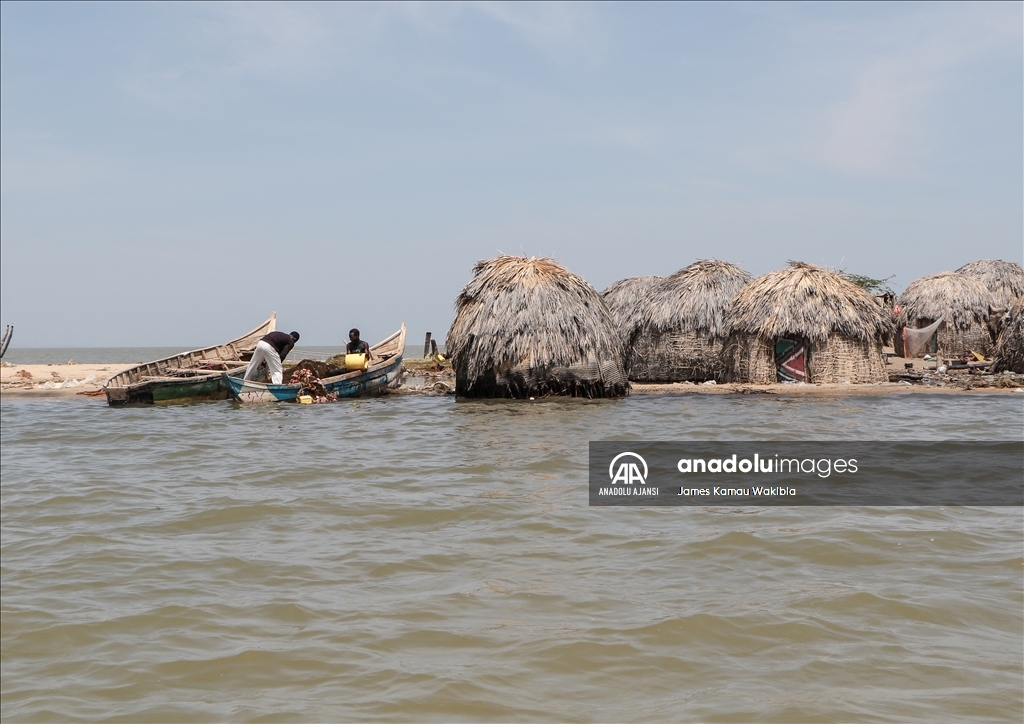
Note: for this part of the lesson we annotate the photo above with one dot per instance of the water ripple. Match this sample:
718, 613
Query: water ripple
415, 558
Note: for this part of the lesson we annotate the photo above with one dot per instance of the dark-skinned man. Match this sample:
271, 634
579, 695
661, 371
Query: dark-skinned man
272, 349
356, 345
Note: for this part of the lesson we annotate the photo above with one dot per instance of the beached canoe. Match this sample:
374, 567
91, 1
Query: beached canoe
385, 371
195, 375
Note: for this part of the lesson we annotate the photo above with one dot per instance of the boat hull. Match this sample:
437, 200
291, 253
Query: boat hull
376, 380
195, 375
210, 389
207, 387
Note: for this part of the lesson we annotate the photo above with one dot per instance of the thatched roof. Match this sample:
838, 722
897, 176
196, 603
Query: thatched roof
1005, 279
1009, 352
810, 302
959, 299
696, 297
530, 313
623, 296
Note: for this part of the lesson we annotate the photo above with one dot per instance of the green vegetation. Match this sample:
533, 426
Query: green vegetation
869, 284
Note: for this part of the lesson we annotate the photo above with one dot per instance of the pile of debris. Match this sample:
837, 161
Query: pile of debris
311, 385
959, 378
24, 379
430, 386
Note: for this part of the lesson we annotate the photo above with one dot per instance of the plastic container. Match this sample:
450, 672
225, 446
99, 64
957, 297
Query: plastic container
356, 362
305, 400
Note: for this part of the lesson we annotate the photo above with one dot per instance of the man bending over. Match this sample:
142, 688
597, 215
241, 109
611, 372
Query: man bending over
272, 349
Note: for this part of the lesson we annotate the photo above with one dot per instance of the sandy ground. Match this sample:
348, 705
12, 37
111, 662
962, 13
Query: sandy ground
922, 379
879, 388
56, 380
72, 380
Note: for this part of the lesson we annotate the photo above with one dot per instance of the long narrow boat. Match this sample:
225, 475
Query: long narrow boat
385, 371
194, 375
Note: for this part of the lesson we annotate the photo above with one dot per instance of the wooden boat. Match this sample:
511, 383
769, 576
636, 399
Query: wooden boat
385, 371
194, 375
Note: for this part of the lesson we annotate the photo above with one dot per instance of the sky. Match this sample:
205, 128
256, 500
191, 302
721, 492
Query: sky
172, 173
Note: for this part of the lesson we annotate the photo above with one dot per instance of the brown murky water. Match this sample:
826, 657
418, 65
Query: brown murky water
413, 558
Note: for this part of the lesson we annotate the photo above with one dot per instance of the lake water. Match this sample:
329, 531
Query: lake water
413, 558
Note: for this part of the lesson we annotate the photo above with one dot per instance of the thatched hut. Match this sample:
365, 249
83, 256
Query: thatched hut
1009, 351
681, 326
963, 304
623, 296
805, 324
531, 328
1004, 279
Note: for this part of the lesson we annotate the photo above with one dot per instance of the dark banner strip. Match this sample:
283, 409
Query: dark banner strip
806, 473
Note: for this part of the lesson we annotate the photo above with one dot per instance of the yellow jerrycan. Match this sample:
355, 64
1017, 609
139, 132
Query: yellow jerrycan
356, 362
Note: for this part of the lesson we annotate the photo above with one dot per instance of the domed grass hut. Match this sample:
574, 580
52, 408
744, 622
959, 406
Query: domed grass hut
528, 327
1004, 279
805, 324
961, 301
682, 325
623, 296
1009, 351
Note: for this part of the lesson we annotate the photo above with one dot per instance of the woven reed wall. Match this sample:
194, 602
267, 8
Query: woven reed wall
674, 356
1009, 351
752, 359
840, 360
955, 342
748, 358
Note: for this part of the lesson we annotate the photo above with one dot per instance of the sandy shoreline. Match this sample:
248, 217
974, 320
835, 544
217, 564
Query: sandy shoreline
812, 390
57, 380
72, 380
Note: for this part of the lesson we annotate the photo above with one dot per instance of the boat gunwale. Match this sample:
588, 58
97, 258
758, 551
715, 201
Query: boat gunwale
123, 379
375, 367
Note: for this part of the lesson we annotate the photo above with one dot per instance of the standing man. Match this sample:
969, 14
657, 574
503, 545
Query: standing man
356, 345
272, 349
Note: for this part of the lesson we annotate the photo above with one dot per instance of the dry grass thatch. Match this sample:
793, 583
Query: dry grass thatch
623, 297
695, 298
1009, 351
960, 300
529, 327
678, 329
810, 302
842, 323
1004, 279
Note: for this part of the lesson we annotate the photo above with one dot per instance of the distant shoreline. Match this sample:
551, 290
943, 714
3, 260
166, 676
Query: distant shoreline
71, 380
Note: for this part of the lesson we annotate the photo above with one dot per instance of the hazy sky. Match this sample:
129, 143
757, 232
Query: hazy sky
172, 173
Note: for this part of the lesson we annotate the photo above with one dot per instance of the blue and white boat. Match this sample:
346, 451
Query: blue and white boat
384, 371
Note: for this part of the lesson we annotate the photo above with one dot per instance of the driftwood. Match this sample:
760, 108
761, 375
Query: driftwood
6, 341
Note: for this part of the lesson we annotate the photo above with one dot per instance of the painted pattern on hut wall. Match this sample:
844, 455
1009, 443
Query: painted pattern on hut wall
791, 360
841, 328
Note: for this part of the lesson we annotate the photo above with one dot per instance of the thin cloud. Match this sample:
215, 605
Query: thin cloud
884, 127
266, 37
217, 44
220, 43
550, 25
